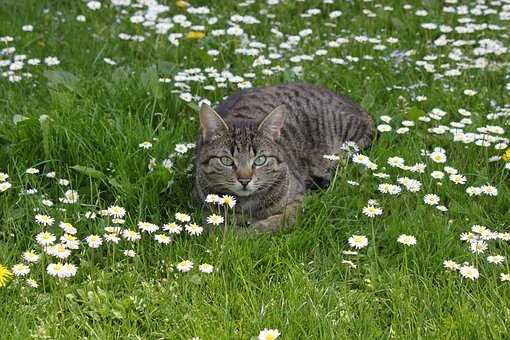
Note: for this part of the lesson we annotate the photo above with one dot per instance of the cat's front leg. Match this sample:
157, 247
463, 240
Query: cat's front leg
277, 222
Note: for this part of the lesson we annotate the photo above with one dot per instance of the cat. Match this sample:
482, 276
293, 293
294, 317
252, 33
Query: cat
265, 146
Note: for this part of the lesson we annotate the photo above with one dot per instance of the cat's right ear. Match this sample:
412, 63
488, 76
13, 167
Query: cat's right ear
210, 122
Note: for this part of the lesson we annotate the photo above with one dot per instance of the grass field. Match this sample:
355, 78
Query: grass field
84, 84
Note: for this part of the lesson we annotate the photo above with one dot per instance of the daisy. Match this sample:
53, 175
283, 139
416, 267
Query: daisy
478, 247
147, 227
67, 228
184, 266
206, 268
70, 197
116, 211
268, 334
145, 145
194, 229
469, 272
131, 235
185, 218
215, 219
112, 238
451, 265
504, 277
70, 241
407, 240
32, 171
458, 179
358, 241
20, 269
396, 162
94, 241
496, 259
473, 191
68, 270
437, 174
4, 186
228, 200
129, 253
162, 238
55, 269
44, 219
489, 190
58, 250
32, 283
372, 211
45, 238
3, 177
30, 256
213, 198
438, 157
172, 228
431, 199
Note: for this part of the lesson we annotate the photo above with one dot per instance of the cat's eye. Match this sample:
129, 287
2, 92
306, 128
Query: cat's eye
260, 160
227, 161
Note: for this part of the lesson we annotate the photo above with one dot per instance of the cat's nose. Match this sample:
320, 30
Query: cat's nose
244, 181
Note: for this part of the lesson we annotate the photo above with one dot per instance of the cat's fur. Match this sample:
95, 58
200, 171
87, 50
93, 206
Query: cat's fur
293, 126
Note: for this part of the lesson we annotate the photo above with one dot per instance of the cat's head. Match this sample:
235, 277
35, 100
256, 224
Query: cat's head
241, 157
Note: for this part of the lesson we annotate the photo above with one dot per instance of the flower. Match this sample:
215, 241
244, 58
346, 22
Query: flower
408, 240
184, 266
30, 256
269, 334
70, 197
172, 228
116, 211
506, 155
438, 157
213, 198
469, 272
195, 35
147, 227
45, 238
451, 265
358, 241
194, 229
4, 186
44, 219
372, 211
129, 253
228, 200
94, 241
5, 275
32, 171
3, 177
20, 269
496, 259
503, 277
131, 235
182, 217
145, 145
206, 268
32, 283
162, 238
215, 219
431, 199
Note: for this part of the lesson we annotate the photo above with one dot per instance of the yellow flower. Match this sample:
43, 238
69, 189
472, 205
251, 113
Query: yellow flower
5, 275
195, 35
506, 155
182, 4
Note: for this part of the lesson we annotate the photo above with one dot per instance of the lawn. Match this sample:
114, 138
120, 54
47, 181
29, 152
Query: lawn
98, 120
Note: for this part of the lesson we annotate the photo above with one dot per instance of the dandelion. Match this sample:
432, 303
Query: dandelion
407, 240
372, 211
206, 268
5, 275
185, 218
20, 269
469, 272
215, 219
269, 334
44, 219
195, 35
358, 241
184, 266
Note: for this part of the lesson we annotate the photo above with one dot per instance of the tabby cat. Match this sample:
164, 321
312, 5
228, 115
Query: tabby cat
266, 145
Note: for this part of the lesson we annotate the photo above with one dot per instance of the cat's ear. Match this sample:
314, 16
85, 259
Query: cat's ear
273, 122
210, 122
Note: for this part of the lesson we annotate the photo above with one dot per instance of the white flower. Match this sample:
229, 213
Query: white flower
4, 186
478, 246
451, 265
32, 283
372, 211
70, 197
496, 259
469, 272
172, 228
3, 177
489, 190
182, 217
94, 5
431, 199
184, 266
44, 219
145, 145
32, 171
94, 241
116, 211
228, 200
45, 238
458, 179
215, 219
129, 253
408, 240
162, 238
20, 269
194, 229
131, 235
31, 256
438, 157
147, 227
213, 198
358, 241
206, 268
504, 277
181, 148
268, 334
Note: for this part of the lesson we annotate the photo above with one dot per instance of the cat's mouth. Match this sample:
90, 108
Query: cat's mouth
243, 191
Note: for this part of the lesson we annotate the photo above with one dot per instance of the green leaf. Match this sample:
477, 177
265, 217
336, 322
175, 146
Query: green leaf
62, 78
89, 171
415, 113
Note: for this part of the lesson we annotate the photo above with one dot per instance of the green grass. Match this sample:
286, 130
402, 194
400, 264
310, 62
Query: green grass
87, 113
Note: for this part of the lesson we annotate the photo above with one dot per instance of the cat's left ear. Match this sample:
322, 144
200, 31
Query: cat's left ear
273, 122
210, 122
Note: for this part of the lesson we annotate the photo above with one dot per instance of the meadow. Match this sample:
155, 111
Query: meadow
100, 237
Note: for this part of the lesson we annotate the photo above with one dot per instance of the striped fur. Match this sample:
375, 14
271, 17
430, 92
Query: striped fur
316, 122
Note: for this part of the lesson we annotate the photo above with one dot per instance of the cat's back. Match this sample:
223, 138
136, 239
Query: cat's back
316, 113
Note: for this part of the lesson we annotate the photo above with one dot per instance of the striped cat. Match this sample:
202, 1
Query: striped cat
266, 146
